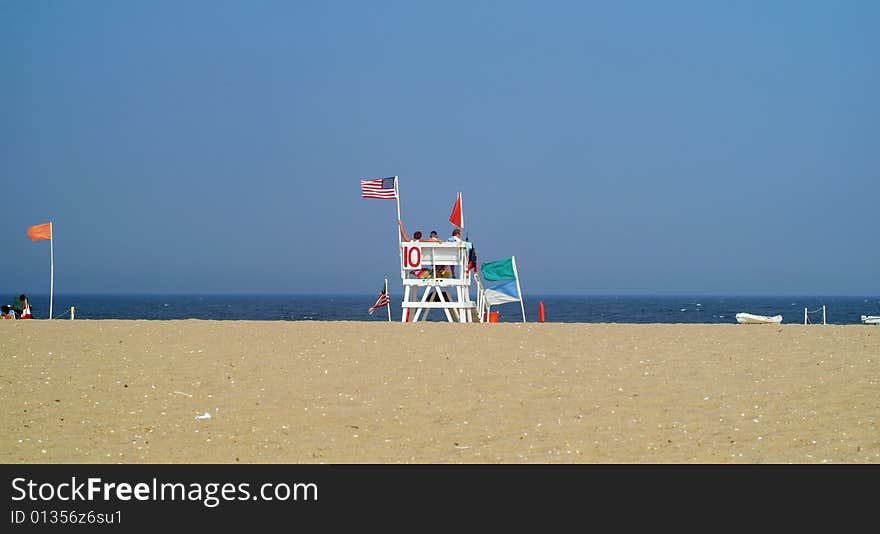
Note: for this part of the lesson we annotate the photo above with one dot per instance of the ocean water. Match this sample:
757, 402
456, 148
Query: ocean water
564, 309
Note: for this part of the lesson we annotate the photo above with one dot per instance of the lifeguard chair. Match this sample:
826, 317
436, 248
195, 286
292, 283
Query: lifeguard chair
424, 287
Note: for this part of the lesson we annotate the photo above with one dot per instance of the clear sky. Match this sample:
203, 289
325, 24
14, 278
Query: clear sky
699, 147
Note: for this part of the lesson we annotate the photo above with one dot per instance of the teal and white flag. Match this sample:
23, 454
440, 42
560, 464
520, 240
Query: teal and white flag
499, 270
509, 290
502, 293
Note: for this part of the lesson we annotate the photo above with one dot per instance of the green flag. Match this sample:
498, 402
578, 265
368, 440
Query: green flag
499, 270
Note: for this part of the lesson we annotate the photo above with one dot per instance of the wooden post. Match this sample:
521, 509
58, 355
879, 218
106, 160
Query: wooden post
823, 315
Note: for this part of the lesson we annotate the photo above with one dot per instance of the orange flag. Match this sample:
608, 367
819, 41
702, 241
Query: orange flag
40, 232
456, 218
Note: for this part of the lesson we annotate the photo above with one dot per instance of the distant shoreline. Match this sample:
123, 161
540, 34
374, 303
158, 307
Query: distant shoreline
589, 310
529, 295
448, 324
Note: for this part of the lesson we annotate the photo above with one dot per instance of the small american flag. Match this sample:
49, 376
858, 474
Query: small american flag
379, 188
383, 300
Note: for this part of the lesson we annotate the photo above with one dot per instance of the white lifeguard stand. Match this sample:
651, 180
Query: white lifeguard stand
424, 290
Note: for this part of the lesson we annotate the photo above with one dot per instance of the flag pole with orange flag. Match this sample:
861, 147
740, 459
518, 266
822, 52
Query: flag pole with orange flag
43, 232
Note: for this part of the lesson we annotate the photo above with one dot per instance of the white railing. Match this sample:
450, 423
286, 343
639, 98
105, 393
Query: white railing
817, 310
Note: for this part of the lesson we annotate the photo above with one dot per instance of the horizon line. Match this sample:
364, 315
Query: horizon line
336, 294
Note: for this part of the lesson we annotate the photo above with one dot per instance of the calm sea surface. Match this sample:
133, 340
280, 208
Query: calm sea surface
585, 309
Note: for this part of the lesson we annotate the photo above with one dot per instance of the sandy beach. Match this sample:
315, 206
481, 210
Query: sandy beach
113, 391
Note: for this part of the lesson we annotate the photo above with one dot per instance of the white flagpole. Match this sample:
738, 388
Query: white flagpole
397, 197
461, 207
51, 267
518, 289
399, 250
399, 238
389, 300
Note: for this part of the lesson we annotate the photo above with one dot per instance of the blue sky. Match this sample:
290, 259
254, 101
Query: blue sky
698, 147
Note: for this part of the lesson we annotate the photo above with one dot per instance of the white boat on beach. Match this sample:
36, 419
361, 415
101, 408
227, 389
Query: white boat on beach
871, 319
749, 318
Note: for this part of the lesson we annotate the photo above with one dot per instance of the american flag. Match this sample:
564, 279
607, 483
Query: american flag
383, 300
379, 188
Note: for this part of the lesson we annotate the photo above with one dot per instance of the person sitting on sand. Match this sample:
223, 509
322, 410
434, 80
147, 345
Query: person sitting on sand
21, 307
26, 310
18, 305
7, 312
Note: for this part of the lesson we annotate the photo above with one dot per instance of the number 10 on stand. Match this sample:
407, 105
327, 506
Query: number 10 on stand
412, 257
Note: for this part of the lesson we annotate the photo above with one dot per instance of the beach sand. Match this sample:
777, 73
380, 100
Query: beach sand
109, 391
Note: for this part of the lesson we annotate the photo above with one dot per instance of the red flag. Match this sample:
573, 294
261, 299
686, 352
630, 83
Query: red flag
40, 232
456, 218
